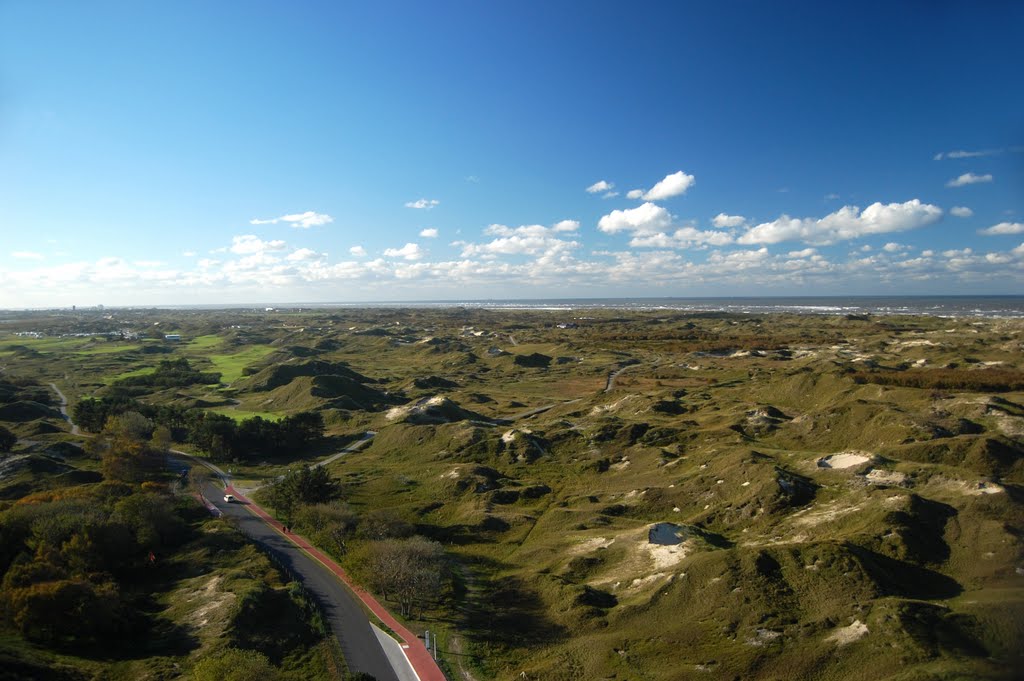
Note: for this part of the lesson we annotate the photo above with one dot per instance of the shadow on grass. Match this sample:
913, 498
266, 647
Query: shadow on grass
899, 578
500, 610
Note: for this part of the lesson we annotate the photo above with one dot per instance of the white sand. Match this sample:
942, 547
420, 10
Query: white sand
877, 476
667, 556
845, 635
844, 460
591, 544
971, 489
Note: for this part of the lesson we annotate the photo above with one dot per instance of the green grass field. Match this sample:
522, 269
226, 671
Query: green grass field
241, 414
231, 366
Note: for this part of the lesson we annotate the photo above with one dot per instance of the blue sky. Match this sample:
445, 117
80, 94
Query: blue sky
197, 152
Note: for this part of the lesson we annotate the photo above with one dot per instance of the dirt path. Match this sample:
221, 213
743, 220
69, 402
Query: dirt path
615, 374
75, 430
355, 446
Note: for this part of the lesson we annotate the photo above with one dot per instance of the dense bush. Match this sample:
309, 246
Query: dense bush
171, 373
970, 380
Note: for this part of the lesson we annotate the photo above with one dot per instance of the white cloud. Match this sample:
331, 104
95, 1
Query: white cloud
966, 154
609, 195
831, 197
961, 211
969, 178
685, 237
846, 223
409, 251
536, 240
1003, 228
600, 186
673, 185
647, 218
892, 247
722, 220
428, 233
26, 255
546, 268
650, 225
298, 220
635, 194
740, 260
303, 254
805, 253
357, 251
189, 254
422, 204
250, 243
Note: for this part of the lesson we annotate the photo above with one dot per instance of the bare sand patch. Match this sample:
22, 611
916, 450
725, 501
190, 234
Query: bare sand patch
1011, 426
831, 511
591, 544
847, 459
966, 487
846, 635
877, 476
210, 598
667, 556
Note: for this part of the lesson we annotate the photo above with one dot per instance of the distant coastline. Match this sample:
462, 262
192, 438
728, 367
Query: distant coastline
990, 306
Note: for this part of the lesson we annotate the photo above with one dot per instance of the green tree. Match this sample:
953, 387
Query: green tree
131, 426
328, 525
7, 440
161, 439
305, 486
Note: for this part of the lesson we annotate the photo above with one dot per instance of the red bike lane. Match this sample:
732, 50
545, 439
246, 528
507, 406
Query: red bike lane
415, 651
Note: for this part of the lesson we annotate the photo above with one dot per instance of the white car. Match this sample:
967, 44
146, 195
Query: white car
228, 498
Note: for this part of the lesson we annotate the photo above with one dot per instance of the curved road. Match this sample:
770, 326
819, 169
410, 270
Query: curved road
344, 614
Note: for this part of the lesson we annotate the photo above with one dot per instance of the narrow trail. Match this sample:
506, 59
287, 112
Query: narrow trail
533, 412
354, 447
75, 430
615, 374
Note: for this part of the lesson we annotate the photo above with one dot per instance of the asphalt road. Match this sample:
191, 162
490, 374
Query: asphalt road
343, 612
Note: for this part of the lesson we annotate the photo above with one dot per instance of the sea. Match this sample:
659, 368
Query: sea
1001, 306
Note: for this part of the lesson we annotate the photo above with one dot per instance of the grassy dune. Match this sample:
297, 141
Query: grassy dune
845, 493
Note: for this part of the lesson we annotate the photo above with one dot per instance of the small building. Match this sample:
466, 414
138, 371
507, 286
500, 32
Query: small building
172, 337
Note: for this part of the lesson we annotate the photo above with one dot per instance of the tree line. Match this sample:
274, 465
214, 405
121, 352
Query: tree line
969, 380
219, 436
